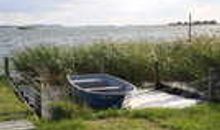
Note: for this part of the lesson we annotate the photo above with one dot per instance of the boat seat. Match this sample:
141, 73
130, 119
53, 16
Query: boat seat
103, 88
87, 80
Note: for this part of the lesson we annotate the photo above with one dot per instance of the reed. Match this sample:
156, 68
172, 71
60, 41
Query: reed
133, 61
46, 62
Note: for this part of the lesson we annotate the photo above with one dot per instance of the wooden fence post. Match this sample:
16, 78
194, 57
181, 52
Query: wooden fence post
6, 66
45, 102
190, 27
102, 66
102, 62
157, 75
210, 84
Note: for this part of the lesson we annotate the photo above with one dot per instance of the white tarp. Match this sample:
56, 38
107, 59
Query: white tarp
140, 99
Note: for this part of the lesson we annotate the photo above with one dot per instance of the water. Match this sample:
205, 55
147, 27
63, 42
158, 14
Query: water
13, 39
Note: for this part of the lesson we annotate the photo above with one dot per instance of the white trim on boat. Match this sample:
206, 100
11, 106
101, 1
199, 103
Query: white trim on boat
87, 80
102, 88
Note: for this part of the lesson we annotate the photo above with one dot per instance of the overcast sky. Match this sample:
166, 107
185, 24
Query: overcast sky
105, 12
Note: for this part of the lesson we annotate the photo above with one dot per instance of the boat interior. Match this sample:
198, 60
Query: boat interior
99, 83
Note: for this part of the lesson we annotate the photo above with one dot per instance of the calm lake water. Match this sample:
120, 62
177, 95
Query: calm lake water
12, 38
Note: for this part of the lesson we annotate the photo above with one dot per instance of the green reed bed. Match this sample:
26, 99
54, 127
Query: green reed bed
134, 61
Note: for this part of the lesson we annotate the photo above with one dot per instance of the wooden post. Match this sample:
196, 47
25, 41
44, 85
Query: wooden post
210, 78
156, 74
102, 66
6, 60
102, 63
190, 27
45, 101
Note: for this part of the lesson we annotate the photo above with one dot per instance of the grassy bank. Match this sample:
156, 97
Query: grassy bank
201, 117
10, 107
134, 61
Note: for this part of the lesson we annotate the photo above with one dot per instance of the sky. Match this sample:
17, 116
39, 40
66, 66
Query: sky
105, 12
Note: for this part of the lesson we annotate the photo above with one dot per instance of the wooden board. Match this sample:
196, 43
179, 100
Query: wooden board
17, 125
87, 80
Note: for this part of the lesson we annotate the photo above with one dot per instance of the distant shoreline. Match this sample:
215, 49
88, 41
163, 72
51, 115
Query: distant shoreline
27, 27
205, 22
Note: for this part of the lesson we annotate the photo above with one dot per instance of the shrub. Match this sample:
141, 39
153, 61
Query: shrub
60, 110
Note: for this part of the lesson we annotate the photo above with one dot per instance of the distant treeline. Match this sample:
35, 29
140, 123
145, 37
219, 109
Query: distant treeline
205, 22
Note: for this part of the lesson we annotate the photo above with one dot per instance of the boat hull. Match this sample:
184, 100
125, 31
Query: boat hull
99, 91
98, 101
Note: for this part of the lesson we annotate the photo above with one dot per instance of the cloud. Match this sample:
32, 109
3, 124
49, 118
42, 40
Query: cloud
102, 12
206, 11
116, 12
28, 6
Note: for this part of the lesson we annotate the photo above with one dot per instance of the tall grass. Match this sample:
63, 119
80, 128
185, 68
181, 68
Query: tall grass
133, 61
47, 62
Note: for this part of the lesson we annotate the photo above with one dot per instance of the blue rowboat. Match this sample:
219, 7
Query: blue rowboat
99, 90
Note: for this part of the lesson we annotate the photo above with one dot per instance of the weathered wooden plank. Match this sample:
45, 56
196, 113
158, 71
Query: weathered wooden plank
17, 125
181, 85
87, 80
